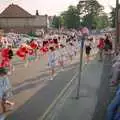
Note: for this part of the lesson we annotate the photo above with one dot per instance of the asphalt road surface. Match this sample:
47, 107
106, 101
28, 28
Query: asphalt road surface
42, 93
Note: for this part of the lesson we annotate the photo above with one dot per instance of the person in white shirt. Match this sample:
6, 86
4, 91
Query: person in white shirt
61, 57
52, 61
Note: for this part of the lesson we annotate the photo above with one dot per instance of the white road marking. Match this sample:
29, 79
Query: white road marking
58, 97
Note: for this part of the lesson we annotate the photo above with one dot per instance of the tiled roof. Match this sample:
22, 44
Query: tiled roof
14, 11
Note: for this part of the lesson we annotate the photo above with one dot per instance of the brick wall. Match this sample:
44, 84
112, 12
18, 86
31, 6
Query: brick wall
24, 24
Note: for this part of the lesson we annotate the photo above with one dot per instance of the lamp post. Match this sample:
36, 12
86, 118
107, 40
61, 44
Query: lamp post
117, 25
85, 33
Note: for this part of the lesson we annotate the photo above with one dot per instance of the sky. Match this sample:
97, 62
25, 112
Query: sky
49, 7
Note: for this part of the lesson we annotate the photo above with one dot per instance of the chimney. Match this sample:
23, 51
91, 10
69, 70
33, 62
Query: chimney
37, 13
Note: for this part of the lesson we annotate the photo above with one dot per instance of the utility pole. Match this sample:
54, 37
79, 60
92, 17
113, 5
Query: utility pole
117, 24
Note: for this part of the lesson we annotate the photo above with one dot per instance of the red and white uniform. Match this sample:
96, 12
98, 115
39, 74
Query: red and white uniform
22, 52
5, 61
33, 45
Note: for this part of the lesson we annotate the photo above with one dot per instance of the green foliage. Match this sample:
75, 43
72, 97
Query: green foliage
56, 23
101, 21
112, 17
92, 14
89, 13
71, 17
91, 7
32, 34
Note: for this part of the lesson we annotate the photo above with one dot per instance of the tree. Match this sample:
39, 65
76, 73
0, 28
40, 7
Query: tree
71, 17
89, 10
101, 21
56, 23
112, 17
89, 7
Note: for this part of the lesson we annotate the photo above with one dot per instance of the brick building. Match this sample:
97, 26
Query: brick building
16, 19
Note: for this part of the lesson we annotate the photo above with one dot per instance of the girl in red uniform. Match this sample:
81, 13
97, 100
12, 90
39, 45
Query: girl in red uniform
5, 86
30, 55
101, 47
7, 54
34, 46
22, 53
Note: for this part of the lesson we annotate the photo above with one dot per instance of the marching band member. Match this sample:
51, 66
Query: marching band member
70, 52
52, 61
62, 57
5, 86
7, 55
34, 46
22, 53
31, 55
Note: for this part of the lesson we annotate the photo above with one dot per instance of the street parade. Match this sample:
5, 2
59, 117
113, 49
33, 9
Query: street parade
59, 60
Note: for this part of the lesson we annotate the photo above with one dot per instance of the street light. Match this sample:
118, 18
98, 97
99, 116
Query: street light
85, 33
117, 25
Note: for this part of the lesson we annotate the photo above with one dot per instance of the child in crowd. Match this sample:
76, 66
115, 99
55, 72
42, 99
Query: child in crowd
52, 61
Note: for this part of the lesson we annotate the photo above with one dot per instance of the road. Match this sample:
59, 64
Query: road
34, 92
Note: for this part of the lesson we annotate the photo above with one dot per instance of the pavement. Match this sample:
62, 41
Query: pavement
105, 93
84, 108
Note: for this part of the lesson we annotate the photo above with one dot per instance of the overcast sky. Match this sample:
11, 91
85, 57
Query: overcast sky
50, 7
